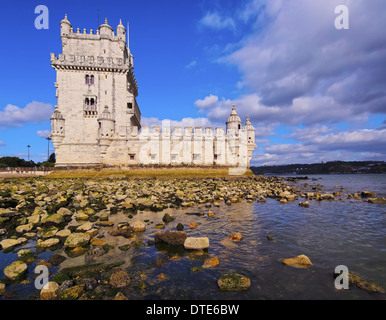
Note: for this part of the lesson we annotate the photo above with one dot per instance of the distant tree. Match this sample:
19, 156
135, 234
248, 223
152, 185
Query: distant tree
16, 162
52, 158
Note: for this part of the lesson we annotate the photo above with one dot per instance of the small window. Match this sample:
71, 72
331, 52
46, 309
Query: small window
92, 80
215, 157
132, 157
87, 79
92, 102
130, 106
87, 102
239, 126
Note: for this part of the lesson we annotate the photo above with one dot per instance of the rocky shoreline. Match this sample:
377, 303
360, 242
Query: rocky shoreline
77, 218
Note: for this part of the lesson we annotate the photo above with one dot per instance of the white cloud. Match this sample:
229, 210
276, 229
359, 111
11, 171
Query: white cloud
44, 133
13, 116
215, 21
2, 144
185, 122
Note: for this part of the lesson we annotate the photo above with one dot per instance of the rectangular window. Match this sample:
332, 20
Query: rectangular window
130, 106
132, 157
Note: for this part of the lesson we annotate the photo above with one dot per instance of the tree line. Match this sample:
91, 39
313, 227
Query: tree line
14, 162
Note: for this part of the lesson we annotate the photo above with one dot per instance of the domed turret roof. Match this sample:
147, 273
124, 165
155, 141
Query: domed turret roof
105, 25
120, 25
65, 20
248, 125
234, 116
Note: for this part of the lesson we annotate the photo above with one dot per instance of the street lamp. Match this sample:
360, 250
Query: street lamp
28, 151
48, 147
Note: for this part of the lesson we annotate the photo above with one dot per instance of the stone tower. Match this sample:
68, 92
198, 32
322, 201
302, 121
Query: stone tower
97, 121
96, 92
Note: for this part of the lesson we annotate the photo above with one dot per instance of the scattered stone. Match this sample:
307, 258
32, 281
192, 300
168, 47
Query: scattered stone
270, 238
180, 227
193, 225
301, 261
119, 279
49, 232
210, 214
24, 228
377, 200
65, 212
47, 243
77, 240
26, 255
8, 244
63, 234
304, 204
53, 219
192, 243
49, 291
171, 237
2, 289
211, 262
85, 227
120, 296
127, 233
236, 237
15, 270
234, 281
368, 194
104, 224
138, 226
168, 218
72, 293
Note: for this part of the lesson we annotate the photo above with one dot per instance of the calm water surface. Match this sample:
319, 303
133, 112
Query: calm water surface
330, 233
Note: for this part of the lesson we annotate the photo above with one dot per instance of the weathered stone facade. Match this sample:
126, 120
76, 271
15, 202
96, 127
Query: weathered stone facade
97, 120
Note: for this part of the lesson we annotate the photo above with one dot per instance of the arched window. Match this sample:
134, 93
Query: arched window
92, 101
87, 79
92, 80
87, 102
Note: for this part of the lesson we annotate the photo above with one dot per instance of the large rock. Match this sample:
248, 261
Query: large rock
193, 243
168, 217
368, 194
49, 291
24, 228
233, 281
53, 219
77, 240
301, 261
47, 243
65, 212
171, 237
8, 244
15, 270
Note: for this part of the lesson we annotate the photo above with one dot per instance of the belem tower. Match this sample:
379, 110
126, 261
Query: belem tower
97, 121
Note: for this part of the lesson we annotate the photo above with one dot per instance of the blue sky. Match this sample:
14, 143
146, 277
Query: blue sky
314, 93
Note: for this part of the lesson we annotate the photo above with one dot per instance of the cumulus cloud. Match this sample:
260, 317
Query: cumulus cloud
215, 21
13, 116
44, 133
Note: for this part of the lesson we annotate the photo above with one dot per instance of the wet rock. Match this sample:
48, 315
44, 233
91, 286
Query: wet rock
26, 255
119, 279
72, 293
47, 243
15, 270
127, 233
24, 228
301, 261
49, 232
138, 226
171, 237
63, 234
53, 219
192, 243
236, 237
370, 287
120, 296
180, 227
2, 289
304, 204
368, 194
49, 291
270, 238
77, 240
377, 200
193, 225
8, 244
233, 281
104, 224
65, 212
168, 218
85, 227
211, 262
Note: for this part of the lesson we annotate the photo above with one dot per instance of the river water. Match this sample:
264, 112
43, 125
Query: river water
342, 232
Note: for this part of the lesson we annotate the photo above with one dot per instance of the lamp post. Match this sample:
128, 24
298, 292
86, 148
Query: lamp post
28, 151
48, 147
